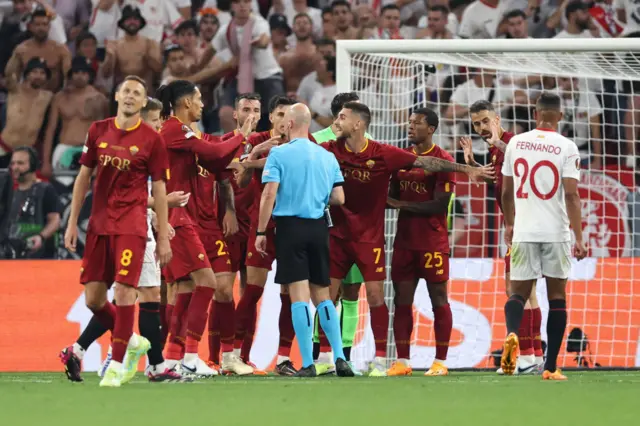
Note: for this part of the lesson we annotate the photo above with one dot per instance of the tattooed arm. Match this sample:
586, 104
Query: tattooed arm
433, 164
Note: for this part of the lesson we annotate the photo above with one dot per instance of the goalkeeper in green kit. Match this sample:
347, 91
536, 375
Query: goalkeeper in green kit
350, 285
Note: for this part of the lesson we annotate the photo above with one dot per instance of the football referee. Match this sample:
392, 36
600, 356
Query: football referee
302, 178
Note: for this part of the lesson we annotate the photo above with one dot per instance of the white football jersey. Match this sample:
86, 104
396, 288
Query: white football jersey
538, 161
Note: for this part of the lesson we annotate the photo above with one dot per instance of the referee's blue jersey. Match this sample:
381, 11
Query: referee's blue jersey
306, 173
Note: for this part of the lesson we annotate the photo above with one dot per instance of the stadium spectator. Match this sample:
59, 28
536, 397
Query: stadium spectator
35, 210
451, 21
343, 21
186, 35
516, 24
482, 18
75, 108
388, 26
87, 46
159, 15
437, 24
175, 64
579, 23
293, 8
328, 26
56, 55
320, 104
280, 31
301, 59
26, 108
627, 14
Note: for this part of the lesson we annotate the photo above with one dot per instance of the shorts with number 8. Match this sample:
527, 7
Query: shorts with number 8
411, 265
113, 258
369, 257
217, 252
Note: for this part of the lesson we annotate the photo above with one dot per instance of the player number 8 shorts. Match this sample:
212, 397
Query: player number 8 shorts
531, 261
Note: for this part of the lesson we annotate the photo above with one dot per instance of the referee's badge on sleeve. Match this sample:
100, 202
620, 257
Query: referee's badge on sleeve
265, 172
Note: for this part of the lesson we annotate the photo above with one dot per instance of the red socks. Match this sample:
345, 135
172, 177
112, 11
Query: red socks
197, 317
225, 312
285, 324
524, 333
442, 325
536, 322
107, 315
214, 334
166, 322
379, 326
122, 331
246, 313
178, 327
402, 329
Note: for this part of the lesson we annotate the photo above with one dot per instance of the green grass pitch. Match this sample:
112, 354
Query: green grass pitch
462, 399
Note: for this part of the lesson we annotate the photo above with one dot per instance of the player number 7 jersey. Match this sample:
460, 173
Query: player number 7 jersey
538, 161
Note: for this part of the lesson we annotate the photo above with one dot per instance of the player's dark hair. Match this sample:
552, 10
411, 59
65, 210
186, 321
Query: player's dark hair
482, 105
574, 6
439, 8
515, 13
136, 79
549, 101
389, 7
361, 109
430, 116
338, 3
170, 94
278, 101
302, 15
340, 99
152, 105
251, 96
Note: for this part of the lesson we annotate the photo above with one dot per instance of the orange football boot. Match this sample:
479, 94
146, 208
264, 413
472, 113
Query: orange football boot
556, 375
510, 354
437, 369
214, 366
256, 371
399, 369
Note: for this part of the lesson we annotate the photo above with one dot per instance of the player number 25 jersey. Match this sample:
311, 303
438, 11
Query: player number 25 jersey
538, 161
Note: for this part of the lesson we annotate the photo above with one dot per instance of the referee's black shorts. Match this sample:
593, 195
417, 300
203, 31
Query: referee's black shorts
302, 250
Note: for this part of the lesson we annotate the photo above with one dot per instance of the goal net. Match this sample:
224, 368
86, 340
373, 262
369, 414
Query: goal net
599, 83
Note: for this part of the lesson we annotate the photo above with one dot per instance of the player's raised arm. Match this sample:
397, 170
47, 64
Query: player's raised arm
432, 164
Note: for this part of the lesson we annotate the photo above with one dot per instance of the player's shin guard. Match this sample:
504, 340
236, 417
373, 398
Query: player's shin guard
379, 326
536, 323
513, 311
122, 331
214, 334
150, 328
301, 318
177, 329
246, 312
331, 326
556, 325
442, 325
226, 319
524, 333
106, 315
402, 328
92, 332
285, 324
348, 325
197, 317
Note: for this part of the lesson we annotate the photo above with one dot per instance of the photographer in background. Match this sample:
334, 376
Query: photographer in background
34, 215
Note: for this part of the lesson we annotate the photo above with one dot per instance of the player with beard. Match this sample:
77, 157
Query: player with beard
421, 246
486, 124
246, 104
126, 152
190, 266
258, 265
357, 236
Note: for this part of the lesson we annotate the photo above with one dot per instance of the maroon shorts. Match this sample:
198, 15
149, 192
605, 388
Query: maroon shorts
254, 258
189, 254
507, 262
113, 258
217, 252
369, 257
411, 265
238, 251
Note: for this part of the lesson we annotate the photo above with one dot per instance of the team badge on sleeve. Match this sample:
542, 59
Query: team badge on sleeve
577, 163
188, 132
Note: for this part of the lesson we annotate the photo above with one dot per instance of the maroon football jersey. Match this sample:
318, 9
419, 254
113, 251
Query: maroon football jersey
186, 152
417, 231
366, 185
497, 158
124, 159
205, 198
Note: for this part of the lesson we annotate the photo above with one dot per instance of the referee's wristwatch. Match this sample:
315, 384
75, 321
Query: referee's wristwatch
261, 233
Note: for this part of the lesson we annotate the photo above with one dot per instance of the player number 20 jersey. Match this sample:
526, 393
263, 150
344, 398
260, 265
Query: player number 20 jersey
538, 161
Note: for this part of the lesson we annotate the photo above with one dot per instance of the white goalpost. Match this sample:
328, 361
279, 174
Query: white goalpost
599, 83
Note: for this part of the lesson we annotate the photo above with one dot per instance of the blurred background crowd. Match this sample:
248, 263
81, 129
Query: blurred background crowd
60, 61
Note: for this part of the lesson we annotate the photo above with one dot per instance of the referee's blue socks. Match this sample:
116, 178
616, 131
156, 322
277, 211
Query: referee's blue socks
303, 327
330, 323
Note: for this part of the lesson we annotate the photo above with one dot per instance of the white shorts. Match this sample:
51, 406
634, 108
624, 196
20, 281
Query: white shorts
530, 261
150, 275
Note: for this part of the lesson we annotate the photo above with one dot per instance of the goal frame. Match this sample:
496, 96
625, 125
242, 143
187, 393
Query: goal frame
345, 48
